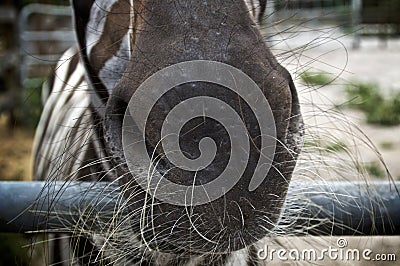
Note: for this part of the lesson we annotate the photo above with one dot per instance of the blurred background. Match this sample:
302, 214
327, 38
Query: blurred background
346, 51
32, 37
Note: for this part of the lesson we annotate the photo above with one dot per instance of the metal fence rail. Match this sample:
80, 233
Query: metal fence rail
65, 37
313, 208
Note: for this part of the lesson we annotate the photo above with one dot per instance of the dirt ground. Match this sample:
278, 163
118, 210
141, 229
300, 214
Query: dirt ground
370, 63
325, 48
15, 152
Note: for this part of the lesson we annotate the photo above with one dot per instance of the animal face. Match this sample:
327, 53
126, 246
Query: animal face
123, 45
164, 33
182, 104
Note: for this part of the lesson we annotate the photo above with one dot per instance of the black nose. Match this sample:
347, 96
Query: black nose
236, 219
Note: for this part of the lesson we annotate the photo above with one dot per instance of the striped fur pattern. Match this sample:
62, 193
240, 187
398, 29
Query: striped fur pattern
59, 151
69, 142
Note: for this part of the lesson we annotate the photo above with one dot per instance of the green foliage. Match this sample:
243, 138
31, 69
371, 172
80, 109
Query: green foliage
316, 78
387, 145
312, 143
375, 169
26, 104
378, 109
21, 249
32, 103
12, 251
336, 147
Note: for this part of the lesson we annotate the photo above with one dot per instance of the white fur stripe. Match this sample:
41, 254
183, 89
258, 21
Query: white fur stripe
95, 26
112, 71
67, 113
254, 8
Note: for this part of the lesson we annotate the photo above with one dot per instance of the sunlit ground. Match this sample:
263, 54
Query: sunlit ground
326, 49
15, 151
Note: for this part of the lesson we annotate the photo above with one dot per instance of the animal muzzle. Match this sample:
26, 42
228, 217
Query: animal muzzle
204, 136
204, 167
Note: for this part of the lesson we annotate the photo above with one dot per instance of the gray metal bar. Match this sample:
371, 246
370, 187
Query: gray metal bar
26, 36
312, 208
356, 21
54, 10
55, 206
61, 36
343, 208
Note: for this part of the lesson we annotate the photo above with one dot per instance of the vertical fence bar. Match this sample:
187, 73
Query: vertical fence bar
356, 22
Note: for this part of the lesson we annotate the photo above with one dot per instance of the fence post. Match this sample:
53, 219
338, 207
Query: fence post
356, 22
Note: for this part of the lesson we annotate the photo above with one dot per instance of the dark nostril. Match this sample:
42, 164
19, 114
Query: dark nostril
113, 122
